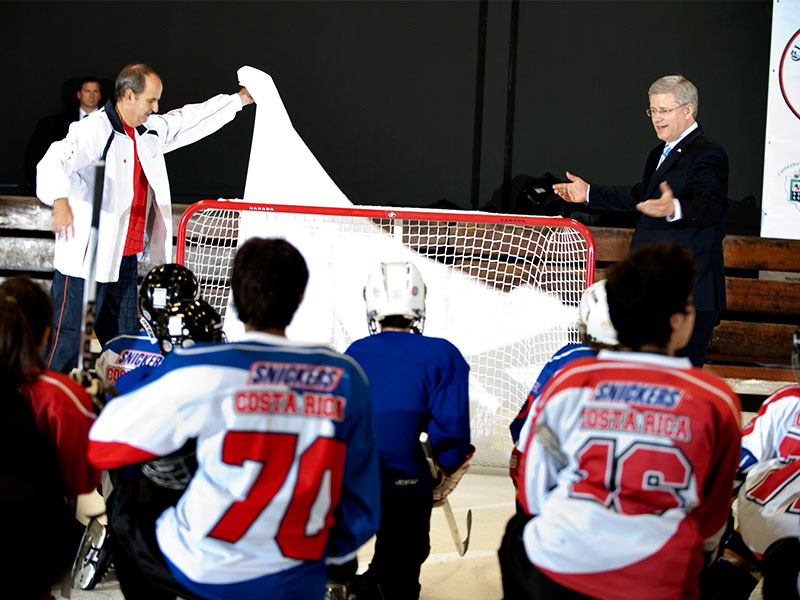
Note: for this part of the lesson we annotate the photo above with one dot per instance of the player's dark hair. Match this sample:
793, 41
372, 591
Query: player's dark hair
269, 278
20, 360
33, 302
653, 283
132, 77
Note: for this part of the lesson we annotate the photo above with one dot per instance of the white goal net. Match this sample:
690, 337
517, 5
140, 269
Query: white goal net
504, 289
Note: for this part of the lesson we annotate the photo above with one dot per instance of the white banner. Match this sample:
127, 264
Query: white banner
780, 206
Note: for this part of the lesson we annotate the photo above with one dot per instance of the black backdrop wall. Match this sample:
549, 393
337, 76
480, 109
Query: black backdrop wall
409, 103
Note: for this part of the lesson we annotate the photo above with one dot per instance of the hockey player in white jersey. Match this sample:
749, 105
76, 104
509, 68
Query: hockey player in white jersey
287, 476
768, 502
418, 383
628, 459
134, 504
161, 286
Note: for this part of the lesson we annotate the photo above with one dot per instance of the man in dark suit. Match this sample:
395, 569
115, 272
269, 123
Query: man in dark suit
683, 198
55, 127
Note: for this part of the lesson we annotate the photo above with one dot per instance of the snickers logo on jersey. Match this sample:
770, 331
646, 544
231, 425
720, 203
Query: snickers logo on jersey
287, 402
323, 378
641, 394
138, 358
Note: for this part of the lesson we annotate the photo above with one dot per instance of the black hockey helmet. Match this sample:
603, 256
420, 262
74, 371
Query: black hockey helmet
796, 354
161, 286
187, 322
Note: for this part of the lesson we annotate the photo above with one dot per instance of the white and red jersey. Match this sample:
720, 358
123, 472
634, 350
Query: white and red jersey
768, 503
287, 463
63, 413
775, 430
651, 446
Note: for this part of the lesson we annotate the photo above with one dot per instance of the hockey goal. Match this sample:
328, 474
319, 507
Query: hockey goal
504, 289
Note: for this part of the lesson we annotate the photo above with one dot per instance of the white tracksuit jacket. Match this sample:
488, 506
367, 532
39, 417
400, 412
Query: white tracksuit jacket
66, 171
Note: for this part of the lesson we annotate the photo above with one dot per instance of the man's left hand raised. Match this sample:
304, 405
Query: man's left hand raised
659, 207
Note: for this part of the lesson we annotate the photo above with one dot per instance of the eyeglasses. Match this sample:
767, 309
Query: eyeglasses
661, 111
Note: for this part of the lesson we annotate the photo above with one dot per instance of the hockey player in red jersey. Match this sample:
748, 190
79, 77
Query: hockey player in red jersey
61, 407
287, 476
628, 458
418, 384
768, 502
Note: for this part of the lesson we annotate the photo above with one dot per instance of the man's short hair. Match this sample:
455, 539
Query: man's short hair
684, 90
133, 77
88, 79
269, 278
653, 283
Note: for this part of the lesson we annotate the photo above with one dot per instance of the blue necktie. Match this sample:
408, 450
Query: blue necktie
663, 156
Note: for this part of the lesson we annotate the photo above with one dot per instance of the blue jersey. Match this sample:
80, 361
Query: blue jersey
287, 471
561, 358
418, 384
125, 353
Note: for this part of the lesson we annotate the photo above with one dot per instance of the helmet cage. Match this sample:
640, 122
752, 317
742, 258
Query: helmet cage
186, 323
163, 285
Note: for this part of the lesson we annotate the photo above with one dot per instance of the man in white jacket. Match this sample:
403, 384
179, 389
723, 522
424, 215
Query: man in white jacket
136, 213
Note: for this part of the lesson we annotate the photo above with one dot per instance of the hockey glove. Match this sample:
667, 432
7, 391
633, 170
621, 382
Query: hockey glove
447, 483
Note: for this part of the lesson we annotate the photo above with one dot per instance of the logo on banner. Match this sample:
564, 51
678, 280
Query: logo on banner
790, 174
794, 188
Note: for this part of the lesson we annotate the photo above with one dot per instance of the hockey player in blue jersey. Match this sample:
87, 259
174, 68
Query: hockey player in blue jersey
161, 286
287, 476
596, 332
135, 503
418, 384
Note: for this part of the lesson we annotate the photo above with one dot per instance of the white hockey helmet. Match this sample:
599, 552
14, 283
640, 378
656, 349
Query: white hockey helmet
395, 289
594, 321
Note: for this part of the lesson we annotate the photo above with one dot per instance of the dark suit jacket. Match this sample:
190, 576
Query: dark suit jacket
697, 171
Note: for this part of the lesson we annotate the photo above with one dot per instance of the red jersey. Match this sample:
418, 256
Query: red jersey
639, 483
63, 412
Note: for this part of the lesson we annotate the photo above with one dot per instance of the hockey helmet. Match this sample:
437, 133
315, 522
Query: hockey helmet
175, 470
395, 289
796, 354
594, 320
187, 322
161, 286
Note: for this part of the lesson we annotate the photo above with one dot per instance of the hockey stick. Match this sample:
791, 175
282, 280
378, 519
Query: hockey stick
549, 440
461, 545
86, 357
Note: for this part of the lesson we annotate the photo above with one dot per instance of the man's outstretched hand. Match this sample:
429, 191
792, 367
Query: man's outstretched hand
659, 207
577, 190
